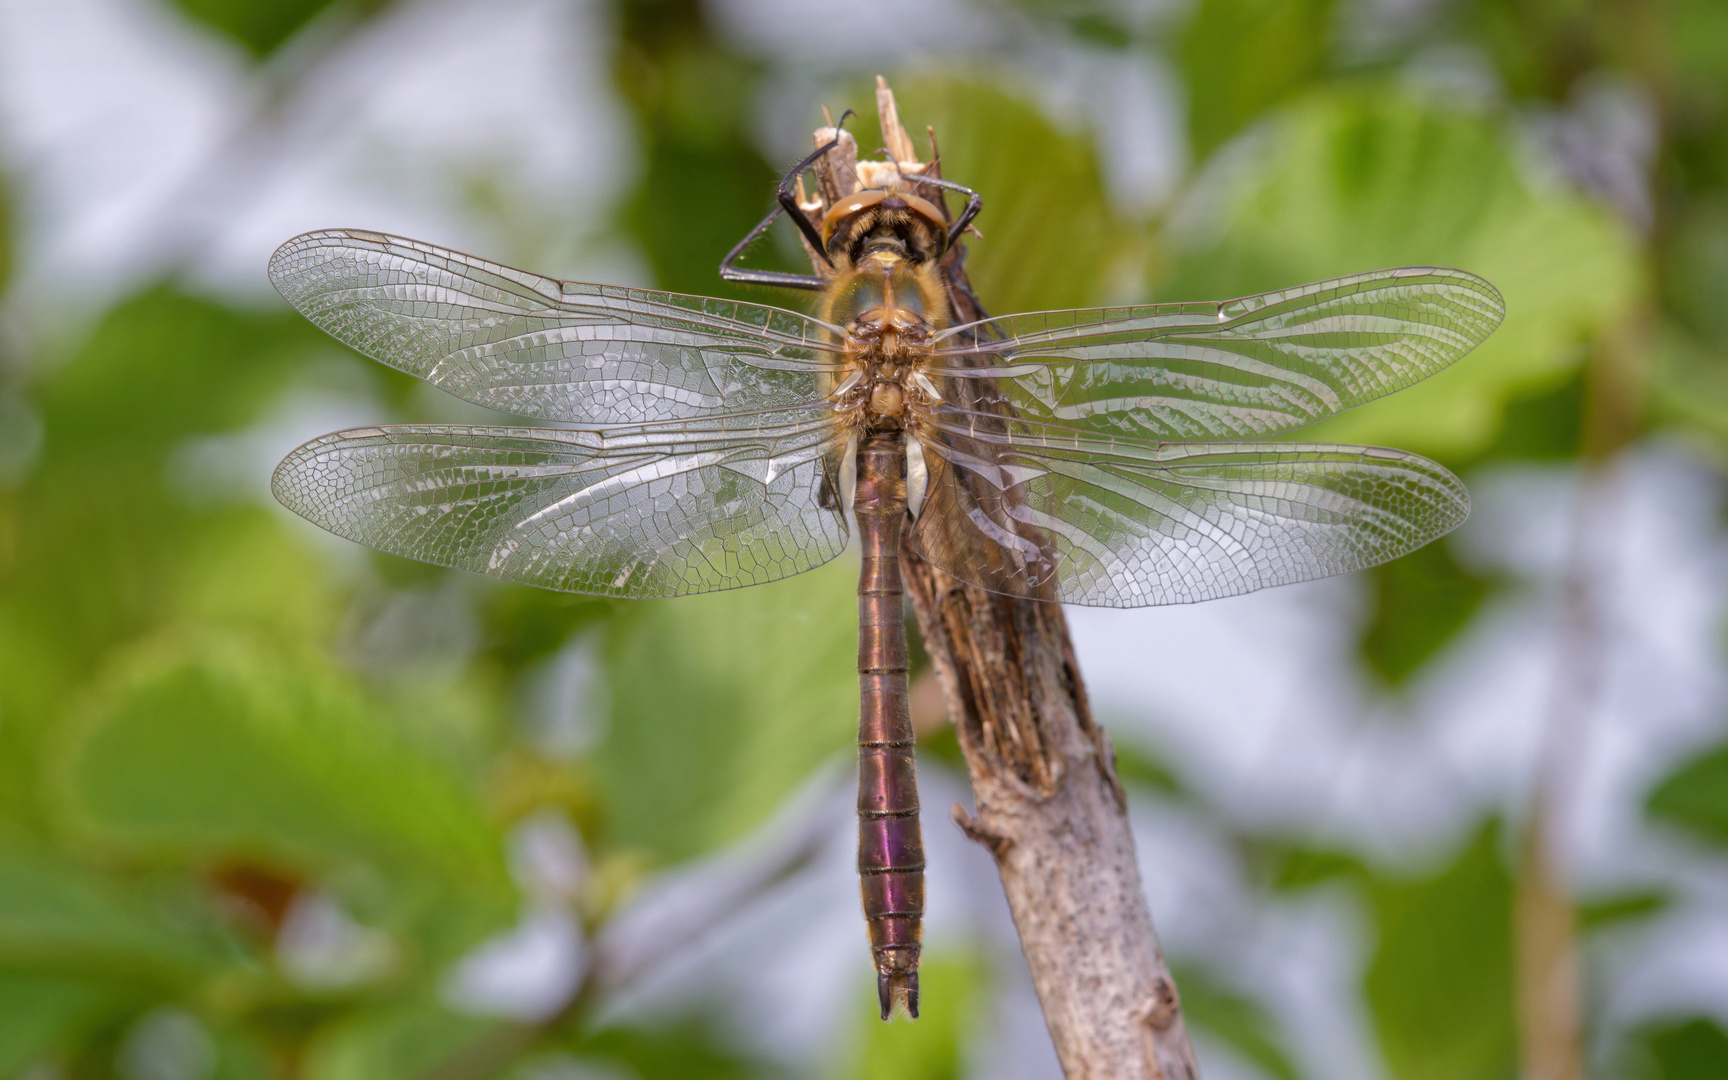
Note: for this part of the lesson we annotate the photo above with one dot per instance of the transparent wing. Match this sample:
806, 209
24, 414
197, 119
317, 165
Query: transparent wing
1236, 369
1065, 517
549, 349
643, 513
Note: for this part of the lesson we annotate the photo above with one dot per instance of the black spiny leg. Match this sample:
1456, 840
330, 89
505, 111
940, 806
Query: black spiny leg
788, 205
974, 203
782, 278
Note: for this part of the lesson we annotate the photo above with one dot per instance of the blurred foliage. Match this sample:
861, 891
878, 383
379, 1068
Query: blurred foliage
1695, 797
1239, 1021
262, 27
1242, 57
675, 1052
1360, 176
45, 1013
398, 1041
703, 184
211, 720
1144, 768
1694, 1049
1439, 980
101, 547
6, 227
933, 1048
1545, 426
696, 755
1439, 985
1421, 602
61, 919
1624, 907
315, 782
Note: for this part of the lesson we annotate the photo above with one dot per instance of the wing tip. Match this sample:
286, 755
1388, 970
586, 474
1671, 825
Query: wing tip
1483, 288
283, 482
1451, 498
334, 239
1495, 309
286, 480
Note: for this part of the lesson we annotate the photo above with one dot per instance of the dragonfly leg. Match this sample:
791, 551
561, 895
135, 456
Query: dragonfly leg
788, 205
974, 204
781, 278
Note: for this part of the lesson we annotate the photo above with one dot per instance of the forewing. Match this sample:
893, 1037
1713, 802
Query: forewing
1236, 369
548, 349
648, 513
1087, 522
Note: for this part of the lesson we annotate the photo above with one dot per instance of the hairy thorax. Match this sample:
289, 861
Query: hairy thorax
889, 307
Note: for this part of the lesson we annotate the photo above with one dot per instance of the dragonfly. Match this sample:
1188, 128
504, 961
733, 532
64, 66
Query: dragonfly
1117, 457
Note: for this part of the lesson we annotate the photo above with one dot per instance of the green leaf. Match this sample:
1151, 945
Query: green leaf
1695, 1049
1097, 28
702, 184
951, 989
102, 547
100, 544
33, 680
1137, 765
697, 198
242, 1055
1048, 236
42, 1014
1421, 602
400, 1041
1688, 383
524, 625
1695, 267
199, 748
63, 919
1698, 40
1621, 908
6, 232
1544, 426
1240, 1022
261, 27
677, 1051
242, 569
1361, 177
1439, 985
163, 365
1292, 869
1695, 797
723, 704
1240, 57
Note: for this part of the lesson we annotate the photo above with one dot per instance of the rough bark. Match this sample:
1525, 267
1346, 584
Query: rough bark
1053, 815
1049, 806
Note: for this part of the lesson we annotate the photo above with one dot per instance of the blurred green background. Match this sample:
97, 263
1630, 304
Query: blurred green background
269, 803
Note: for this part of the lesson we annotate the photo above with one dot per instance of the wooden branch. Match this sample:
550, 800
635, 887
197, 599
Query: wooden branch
1053, 815
1049, 807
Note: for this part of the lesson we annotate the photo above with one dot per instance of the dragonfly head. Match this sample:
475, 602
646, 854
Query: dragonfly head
882, 218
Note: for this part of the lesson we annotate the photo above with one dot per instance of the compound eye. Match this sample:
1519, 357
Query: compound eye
927, 210
848, 206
